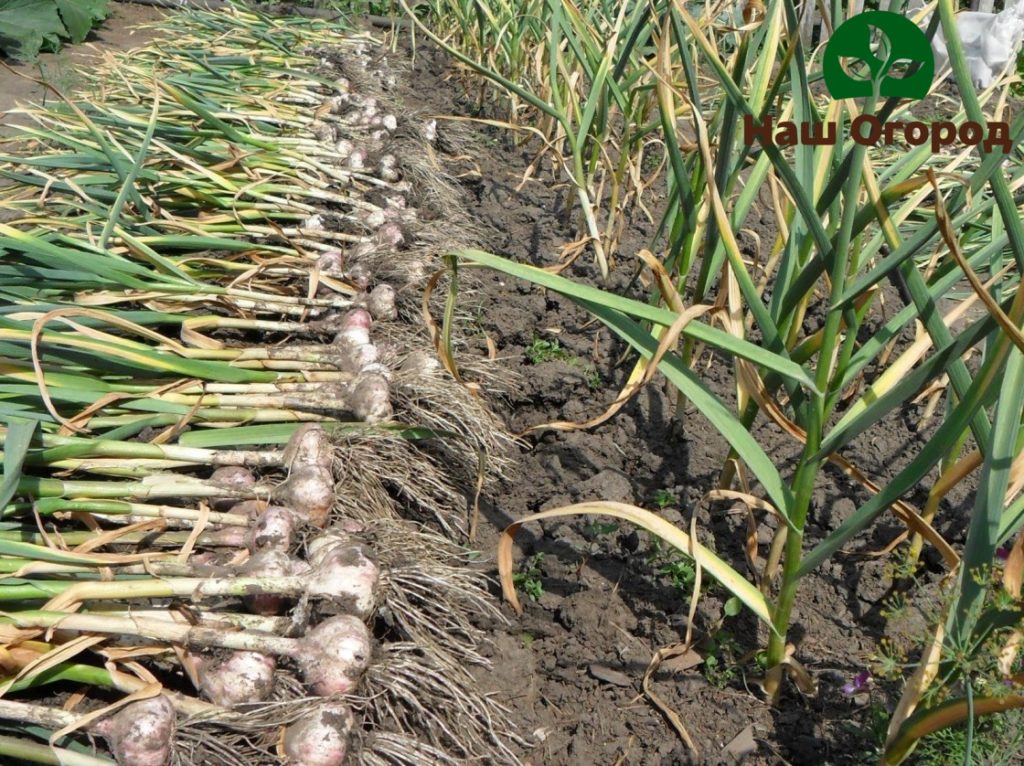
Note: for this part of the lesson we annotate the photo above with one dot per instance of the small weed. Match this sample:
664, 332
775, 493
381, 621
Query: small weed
717, 672
542, 350
529, 577
664, 499
902, 565
680, 573
1018, 88
895, 607
720, 667
594, 529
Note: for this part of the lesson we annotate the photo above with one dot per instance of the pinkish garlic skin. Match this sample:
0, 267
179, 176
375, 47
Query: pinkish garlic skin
205, 559
356, 160
344, 148
391, 235
361, 250
353, 334
351, 578
381, 303
227, 537
241, 678
357, 318
341, 535
421, 362
332, 262
214, 563
387, 171
355, 352
231, 477
250, 508
374, 219
359, 275
370, 398
335, 654
309, 445
324, 132
336, 536
309, 492
140, 733
351, 526
274, 529
273, 563
320, 739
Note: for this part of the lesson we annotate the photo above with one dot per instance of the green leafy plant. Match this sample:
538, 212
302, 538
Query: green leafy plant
680, 573
530, 577
542, 350
28, 26
721, 659
664, 498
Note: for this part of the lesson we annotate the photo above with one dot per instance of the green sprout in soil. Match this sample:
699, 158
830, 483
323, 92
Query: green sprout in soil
848, 218
595, 529
542, 350
663, 498
529, 577
895, 607
871, 729
721, 666
680, 573
903, 564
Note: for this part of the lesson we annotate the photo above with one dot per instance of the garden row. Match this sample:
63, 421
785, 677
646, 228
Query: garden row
233, 469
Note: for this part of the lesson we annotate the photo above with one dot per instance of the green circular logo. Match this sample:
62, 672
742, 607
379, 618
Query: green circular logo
874, 52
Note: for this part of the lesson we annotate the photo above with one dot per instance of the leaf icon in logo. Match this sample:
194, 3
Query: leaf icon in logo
878, 52
867, 58
901, 68
858, 69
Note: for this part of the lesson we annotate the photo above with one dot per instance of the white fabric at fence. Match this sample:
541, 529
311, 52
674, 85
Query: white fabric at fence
811, 16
